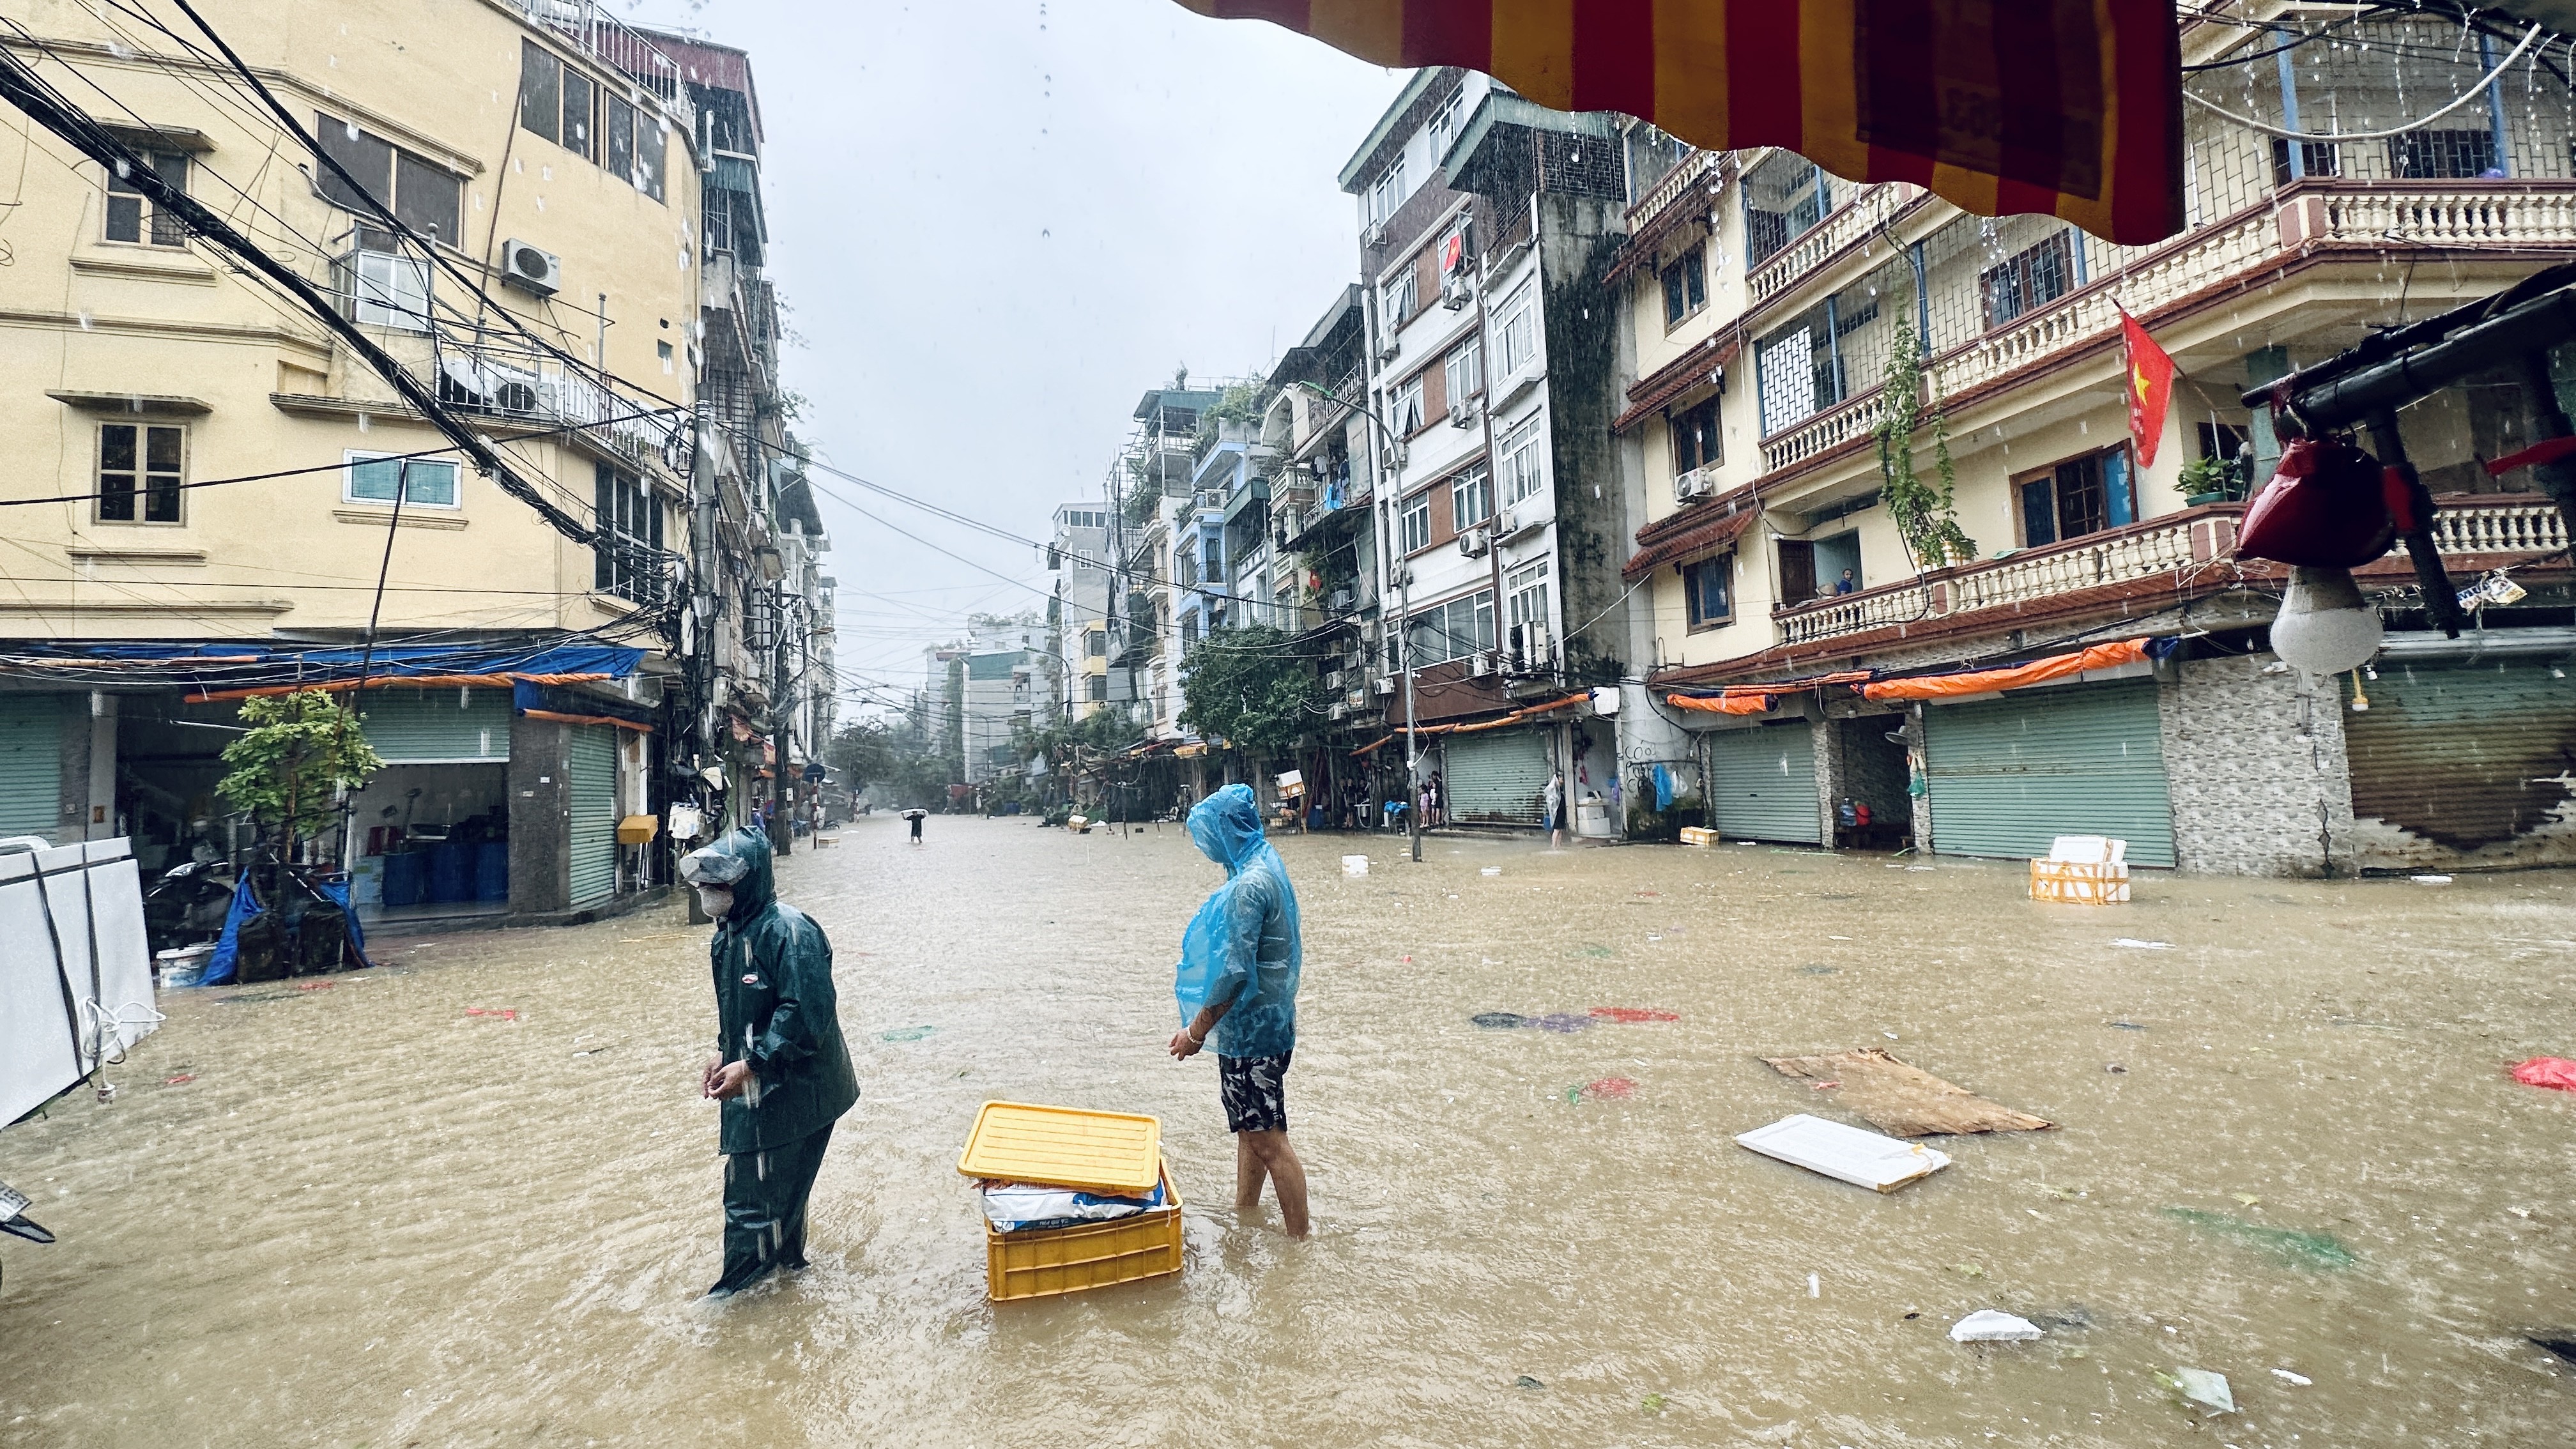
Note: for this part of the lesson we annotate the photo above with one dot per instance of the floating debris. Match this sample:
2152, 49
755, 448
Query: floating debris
906, 1033
1499, 1020
1903, 1100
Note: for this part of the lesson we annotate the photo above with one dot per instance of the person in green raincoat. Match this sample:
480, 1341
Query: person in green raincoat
782, 1072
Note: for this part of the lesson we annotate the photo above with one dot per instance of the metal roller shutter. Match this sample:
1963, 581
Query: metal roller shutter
2465, 758
1496, 778
1762, 783
593, 828
2008, 776
438, 726
31, 764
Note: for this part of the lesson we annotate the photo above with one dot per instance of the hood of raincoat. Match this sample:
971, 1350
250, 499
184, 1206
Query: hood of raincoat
738, 861
1227, 827
1243, 946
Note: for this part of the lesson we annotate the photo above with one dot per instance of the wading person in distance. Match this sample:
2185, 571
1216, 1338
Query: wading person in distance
1237, 981
782, 1073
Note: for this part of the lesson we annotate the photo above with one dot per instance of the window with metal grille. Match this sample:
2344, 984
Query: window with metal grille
140, 469
132, 218
625, 562
2316, 158
2442, 155
2028, 279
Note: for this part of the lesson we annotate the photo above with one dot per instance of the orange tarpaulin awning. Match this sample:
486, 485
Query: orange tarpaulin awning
1730, 702
2071, 108
1988, 681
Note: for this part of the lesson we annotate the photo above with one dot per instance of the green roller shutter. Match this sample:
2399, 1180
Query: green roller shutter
1497, 778
2464, 758
594, 812
2008, 776
438, 726
1762, 783
31, 764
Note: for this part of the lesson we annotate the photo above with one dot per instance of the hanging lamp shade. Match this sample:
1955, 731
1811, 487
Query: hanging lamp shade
2068, 108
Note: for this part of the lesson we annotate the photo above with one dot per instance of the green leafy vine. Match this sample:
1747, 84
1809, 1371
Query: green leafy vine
1925, 513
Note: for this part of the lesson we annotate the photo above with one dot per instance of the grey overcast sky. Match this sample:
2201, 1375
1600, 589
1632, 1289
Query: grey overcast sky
1000, 221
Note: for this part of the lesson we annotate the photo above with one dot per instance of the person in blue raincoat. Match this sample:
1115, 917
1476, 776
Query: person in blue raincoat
782, 1071
1237, 981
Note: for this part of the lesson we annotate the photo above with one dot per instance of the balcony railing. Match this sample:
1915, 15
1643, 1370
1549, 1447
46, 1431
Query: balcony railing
1686, 173
2484, 524
1872, 209
2532, 213
613, 43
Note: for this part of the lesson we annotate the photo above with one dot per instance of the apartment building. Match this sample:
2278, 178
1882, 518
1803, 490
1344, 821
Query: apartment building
548, 641
1078, 555
1779, 316
1488, 227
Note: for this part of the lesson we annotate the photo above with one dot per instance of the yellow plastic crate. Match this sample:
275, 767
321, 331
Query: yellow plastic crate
2076, 882
1115, 1154
1698, 835
1049, 1261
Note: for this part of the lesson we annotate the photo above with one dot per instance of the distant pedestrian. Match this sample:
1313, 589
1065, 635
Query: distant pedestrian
1238, 979
1553, 806
782, 1071
916, 817
816, 816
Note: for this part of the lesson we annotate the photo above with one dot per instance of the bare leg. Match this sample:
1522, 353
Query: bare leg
1249, 1173
1287, 1176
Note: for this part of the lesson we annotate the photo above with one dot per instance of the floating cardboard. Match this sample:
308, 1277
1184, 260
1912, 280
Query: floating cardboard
1846, 1154
1903, 1100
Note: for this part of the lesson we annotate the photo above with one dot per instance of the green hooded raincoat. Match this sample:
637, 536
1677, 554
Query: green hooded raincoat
775, 1009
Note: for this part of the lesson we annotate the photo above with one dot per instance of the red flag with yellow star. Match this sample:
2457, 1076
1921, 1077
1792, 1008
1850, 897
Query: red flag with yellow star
2151, 375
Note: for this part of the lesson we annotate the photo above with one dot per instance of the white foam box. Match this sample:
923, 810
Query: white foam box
1846, 1154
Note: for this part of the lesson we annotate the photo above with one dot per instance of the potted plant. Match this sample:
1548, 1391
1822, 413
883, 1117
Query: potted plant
2206, 480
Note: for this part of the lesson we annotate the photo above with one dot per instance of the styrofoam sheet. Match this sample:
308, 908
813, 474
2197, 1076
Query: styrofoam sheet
44, 959
1846, 1154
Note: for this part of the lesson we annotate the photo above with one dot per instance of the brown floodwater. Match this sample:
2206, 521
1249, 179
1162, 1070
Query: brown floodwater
372, 1216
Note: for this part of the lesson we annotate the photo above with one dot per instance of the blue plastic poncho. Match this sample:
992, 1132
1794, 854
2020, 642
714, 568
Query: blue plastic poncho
1243, 945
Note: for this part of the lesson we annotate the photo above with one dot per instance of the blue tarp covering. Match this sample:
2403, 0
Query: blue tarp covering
227, 958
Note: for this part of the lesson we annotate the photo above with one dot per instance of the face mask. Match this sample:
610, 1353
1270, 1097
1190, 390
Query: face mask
715, 900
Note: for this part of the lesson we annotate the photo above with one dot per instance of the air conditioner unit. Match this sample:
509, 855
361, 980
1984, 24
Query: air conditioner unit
1388, 352
1474, 542
531, 268
1534, 645
1464, 413
1455, 292
1507, 524
1479, 665
1337, 710
1385, 684
1373, 234
1332, 679
1697, 483
1339, 601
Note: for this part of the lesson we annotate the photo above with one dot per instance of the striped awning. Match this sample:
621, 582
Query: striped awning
2070, 108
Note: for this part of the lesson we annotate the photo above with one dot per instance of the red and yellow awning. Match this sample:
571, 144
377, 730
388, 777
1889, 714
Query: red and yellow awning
2071, 108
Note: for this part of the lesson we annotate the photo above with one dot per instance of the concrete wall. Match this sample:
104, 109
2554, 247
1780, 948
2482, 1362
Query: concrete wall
2256, 762
540, 816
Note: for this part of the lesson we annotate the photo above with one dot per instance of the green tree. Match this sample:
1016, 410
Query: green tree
1925, 514
1252, 688
288, 768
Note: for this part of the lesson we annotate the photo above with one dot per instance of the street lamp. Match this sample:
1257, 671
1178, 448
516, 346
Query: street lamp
1403, 636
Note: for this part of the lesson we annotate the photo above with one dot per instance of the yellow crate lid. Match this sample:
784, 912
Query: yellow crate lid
1106, 1152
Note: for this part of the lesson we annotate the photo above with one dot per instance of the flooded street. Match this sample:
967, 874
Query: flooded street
471, 1198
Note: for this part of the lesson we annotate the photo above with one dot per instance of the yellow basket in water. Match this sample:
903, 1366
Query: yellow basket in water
1049, 1261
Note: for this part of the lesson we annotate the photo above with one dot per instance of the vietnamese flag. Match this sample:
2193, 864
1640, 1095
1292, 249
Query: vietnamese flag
2151, 375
